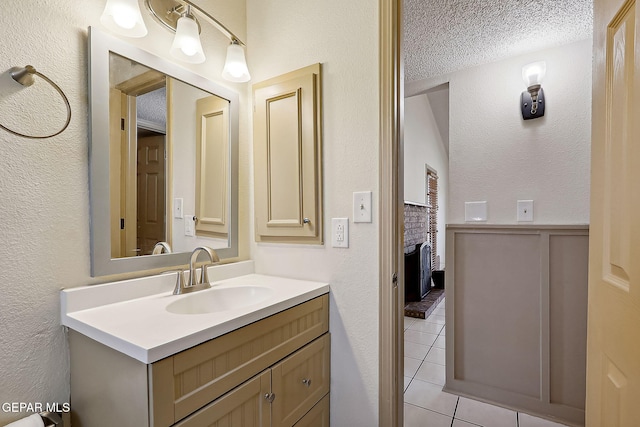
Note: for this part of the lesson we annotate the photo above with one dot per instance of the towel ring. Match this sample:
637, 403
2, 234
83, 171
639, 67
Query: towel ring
24, 76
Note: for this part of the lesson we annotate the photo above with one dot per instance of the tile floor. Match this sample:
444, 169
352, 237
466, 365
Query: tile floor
425, 404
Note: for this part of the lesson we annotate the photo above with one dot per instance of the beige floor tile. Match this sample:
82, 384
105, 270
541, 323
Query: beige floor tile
408, 321
484, 414
436, 355
415, 416
415, 350
407, 381
460, 423
430, 396
526, 420
431, 373
418, 337
424, 326
440, 342
411, 366
438, 320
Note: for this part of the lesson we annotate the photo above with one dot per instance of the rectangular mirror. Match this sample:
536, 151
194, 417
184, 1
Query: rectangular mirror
163, 160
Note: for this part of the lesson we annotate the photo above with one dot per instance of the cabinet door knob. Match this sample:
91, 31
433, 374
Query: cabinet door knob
307, 382
269, 397
306, 221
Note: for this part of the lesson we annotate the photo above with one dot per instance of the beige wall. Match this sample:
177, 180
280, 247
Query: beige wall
44, 208
496, 156
424, 145
287, 35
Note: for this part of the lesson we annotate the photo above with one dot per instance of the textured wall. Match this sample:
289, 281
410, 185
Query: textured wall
496, 156
287, 35
423, 145
44, 208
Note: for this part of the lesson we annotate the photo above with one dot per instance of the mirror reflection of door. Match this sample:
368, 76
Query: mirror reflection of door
137, 161
151, 190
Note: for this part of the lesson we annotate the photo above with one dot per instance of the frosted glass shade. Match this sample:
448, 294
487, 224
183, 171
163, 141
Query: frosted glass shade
123, 17
235, 66
532, 74
186, 44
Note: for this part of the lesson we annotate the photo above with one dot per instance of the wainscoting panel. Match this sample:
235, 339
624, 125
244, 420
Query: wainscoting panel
516, 300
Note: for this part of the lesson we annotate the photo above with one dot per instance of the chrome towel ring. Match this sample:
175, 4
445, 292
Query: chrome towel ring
24, 76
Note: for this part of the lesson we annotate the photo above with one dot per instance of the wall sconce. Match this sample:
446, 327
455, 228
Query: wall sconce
123, 17
177, 16
532, 100
186, 44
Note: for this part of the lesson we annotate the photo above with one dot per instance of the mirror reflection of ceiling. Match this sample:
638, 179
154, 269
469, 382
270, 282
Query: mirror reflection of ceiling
152, 106
443, 36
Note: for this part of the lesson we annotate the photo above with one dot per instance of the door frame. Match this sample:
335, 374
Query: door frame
391, 181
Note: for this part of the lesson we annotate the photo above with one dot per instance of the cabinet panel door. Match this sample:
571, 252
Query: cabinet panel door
245, 406
191, 379
212, 158
300, 381
287, 157
318, 416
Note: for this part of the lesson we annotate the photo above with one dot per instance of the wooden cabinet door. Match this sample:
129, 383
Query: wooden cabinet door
300, 381
288, 157
212, 172
318, 416
245, 406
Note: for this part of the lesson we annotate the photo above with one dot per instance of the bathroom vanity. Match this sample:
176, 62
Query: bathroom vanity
136, 363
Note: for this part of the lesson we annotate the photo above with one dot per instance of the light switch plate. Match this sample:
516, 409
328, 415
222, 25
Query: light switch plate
362, 206
189, 226
340, 232
525, 210
177, 207
475, 211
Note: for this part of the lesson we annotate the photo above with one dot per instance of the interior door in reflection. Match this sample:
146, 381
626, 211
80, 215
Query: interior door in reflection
151, 190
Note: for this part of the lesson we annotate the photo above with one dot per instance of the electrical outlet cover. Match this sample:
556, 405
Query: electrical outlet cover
340, 232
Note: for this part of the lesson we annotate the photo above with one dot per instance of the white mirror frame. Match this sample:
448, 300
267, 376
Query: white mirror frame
102, 264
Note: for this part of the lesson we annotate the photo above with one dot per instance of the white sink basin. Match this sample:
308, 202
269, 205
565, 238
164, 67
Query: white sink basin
220, 299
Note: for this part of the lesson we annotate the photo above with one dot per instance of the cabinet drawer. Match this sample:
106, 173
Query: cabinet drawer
245, 406
318, 416
187, 381
300, 381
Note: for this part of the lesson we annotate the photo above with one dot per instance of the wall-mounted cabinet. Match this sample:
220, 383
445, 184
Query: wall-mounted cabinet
288, 157
273, 372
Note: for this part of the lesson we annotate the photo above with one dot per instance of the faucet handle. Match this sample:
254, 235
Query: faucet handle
181, 283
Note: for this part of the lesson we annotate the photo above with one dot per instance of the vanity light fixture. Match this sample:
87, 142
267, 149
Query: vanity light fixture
532, 100
123, 17
172, 13
186, 44
235, 66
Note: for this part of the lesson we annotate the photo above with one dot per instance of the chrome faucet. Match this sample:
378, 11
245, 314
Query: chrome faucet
194, 283
161, 247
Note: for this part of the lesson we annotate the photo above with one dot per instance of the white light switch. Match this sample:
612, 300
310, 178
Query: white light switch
525, 210
340, 232
475, 211
362, 206
177, 208
189, 226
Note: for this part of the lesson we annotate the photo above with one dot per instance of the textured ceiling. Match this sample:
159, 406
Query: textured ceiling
442, 36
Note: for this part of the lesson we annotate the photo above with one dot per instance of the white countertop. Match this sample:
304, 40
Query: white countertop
142, 328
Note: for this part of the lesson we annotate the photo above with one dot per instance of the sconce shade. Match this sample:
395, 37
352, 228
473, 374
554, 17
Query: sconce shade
533, 73
123, 17
235, 66
186, 44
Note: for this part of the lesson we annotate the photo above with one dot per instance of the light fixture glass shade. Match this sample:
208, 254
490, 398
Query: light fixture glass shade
533, 73
235, 66
123, 17
186, 44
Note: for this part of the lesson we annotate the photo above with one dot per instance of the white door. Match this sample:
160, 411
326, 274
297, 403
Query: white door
613, 348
